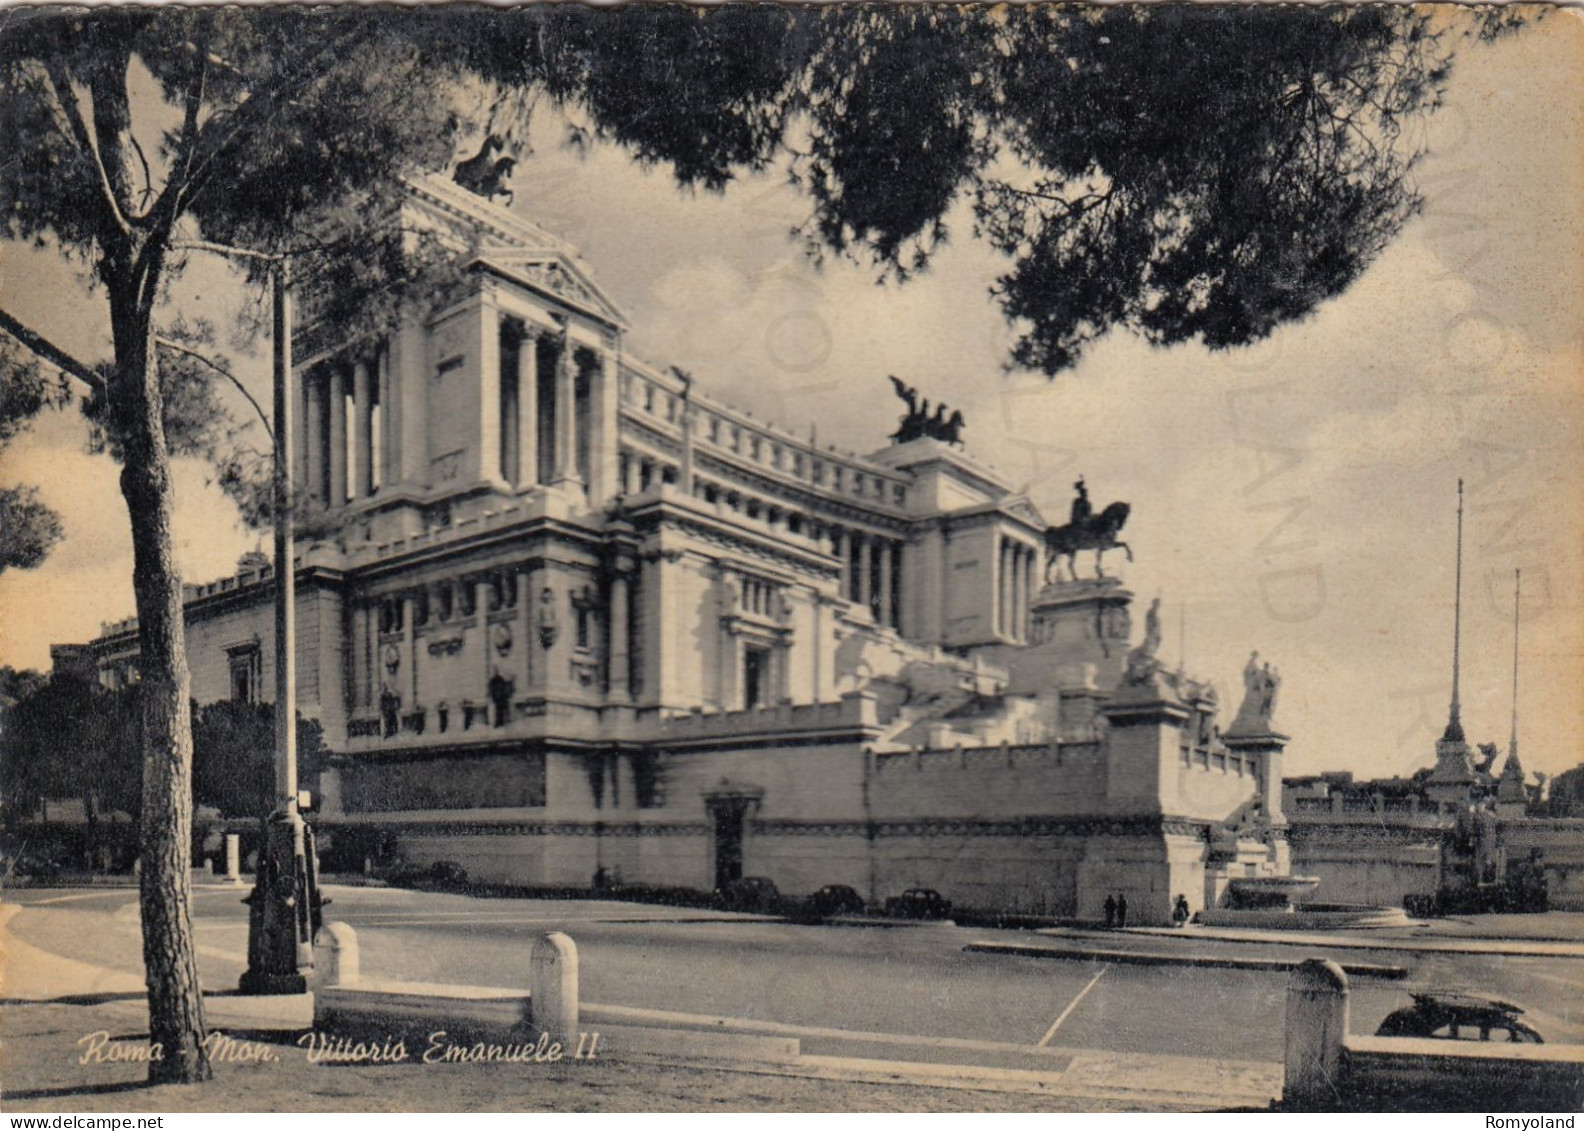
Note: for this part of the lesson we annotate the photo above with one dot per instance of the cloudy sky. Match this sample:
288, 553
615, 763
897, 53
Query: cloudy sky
1297, 497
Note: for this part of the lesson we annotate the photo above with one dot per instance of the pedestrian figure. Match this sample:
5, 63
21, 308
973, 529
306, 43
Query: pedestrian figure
1121, 911
1110, 910
1180, 913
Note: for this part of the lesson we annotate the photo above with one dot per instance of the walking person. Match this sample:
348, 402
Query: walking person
1121, 910
1110, 910
1180, 913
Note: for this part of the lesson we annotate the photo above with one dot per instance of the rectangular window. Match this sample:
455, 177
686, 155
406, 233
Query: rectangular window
756, 676
245, 675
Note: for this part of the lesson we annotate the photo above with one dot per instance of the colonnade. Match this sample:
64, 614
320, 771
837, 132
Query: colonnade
1015, 565
537, 421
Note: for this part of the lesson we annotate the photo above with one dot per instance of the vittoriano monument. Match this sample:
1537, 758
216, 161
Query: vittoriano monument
580, 622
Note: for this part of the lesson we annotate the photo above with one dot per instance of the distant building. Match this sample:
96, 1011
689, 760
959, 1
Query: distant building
580, 618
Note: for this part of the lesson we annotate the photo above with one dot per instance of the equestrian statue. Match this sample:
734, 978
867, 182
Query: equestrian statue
1085, 531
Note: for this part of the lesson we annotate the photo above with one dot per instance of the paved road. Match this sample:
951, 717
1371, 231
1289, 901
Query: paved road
914, 981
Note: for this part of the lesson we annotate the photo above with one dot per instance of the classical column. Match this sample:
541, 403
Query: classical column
528, 409
1001, 585
336, 449
566, 416
363, 426
865, 579
885, 582
620, 654
605, 426
489, 388
629, 474
314, 434
1028, 591
385, 456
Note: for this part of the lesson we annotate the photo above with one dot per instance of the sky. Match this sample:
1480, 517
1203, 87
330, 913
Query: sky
1297, 497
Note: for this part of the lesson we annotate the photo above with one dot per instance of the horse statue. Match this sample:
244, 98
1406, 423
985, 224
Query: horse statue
1098, 532
944, 424
484, 174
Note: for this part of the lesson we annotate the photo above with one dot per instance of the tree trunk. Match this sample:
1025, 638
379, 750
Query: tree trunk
175, 1002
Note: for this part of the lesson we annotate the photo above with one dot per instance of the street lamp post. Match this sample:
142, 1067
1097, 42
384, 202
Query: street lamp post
284, 906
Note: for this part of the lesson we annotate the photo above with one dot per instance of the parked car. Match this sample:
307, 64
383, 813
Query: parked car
835, 899
918, 903
442, 874
1455, 1017
751, 893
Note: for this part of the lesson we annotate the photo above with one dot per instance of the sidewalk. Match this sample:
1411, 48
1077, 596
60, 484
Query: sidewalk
1440, 944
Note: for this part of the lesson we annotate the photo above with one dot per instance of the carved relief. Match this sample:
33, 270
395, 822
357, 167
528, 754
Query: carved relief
549, 624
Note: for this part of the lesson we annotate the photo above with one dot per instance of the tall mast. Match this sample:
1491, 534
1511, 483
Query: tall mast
1454, 729
1512, 745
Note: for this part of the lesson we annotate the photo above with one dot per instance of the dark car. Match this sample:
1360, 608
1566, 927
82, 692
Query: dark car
1456, 1017
751, 893
835, 899
918, 903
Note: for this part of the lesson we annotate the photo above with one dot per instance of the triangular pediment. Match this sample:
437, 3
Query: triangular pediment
1024, 511
557, 277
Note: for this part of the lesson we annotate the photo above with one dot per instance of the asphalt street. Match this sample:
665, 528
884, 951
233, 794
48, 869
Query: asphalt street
903, 980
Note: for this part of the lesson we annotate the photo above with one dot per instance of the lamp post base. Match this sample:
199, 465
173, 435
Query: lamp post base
284, 908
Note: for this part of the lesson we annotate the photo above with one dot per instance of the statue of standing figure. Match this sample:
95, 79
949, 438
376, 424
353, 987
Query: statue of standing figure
1143, 662
1260, 684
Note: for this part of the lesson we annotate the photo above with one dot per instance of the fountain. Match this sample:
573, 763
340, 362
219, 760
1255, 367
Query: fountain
1271, 903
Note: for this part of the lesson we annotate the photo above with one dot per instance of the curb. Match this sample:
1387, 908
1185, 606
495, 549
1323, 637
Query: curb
1126, 957
1515, 948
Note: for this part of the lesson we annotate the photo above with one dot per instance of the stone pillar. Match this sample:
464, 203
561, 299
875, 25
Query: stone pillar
528, 409
620, 676
553, 984
314, 432
1317, 1024
885, 582
336, 448
629, 473
1020, 621
363, 427
865, 580
566, 417
233, 857
604, 427
1029, 565
336, 956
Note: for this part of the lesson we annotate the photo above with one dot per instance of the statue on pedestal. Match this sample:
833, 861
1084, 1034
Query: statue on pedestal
1260, 684
1143, 663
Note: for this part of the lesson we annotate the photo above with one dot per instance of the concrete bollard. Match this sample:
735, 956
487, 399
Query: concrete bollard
336, 956
1317, 1025
233, 857
553, 984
